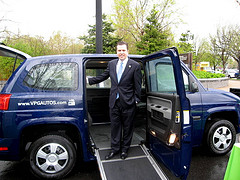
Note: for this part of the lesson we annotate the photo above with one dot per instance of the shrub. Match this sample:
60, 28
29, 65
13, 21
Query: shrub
206, 75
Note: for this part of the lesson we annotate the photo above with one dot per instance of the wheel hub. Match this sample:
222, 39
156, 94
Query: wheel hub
223, 138
52, 158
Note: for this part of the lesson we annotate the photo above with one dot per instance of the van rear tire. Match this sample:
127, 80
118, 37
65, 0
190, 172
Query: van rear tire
220, 137
52, 157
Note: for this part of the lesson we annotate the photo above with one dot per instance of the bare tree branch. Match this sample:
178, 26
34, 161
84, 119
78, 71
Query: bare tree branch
238, 2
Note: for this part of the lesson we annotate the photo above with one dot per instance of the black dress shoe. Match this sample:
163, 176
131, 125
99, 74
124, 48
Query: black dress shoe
124, 155
110, 155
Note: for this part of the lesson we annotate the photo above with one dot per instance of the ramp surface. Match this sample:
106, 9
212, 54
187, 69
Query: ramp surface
139, 165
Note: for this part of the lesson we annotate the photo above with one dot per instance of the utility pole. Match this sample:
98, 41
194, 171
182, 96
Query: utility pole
99, 43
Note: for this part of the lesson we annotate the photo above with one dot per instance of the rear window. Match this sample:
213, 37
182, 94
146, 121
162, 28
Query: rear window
53, 77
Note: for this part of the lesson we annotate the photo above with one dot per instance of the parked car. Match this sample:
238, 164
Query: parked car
231, 73
237, 75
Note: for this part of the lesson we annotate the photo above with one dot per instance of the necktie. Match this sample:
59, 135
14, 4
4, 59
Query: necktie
119, 74
120, 69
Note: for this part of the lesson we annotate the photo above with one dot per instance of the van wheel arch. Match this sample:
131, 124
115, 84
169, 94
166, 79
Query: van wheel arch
32, 133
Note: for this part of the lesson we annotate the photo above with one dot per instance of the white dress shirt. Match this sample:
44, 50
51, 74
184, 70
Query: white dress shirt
124, 64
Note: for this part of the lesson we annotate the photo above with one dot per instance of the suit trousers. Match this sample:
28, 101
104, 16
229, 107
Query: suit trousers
121, 126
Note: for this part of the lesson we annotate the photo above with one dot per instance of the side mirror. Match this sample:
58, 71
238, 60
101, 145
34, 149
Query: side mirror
194, 87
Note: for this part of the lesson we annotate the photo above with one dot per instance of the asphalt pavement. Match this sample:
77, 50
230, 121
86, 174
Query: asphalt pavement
203, 166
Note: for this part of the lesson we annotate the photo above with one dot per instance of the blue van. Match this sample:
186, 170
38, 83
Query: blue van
52, 117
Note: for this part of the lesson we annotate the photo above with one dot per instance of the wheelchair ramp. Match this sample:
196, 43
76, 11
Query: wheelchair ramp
139, 165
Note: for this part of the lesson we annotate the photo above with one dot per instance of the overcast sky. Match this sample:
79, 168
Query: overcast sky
204, 16
43, 17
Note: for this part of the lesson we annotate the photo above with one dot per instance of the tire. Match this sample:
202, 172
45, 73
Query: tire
52, 157
220, 137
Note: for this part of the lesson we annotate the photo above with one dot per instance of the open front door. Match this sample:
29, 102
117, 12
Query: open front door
168, 112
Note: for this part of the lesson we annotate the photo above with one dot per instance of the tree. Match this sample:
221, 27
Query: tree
3, 28
36, 46
234, 43
199, 51
220, 43
130, 17
154, 37
238, 2
109, 41
62, 44
215, 55
184, 45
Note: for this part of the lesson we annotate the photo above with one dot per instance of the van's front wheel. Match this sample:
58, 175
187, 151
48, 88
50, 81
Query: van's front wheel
221, 137
52, 157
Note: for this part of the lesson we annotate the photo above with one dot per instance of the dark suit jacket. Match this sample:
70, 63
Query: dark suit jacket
129, 87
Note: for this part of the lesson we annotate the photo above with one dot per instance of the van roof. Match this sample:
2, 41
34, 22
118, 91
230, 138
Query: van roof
85, 56
11, 52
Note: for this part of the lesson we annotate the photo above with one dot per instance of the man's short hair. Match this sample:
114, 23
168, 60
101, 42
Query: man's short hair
123, 43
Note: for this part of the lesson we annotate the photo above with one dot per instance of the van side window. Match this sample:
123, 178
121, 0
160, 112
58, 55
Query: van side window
185, 80
53, 76
161, 75
96, 72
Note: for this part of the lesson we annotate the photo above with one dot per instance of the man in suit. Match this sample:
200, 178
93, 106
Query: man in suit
125, 92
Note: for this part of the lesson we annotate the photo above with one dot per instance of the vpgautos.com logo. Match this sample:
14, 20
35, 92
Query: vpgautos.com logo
70, 102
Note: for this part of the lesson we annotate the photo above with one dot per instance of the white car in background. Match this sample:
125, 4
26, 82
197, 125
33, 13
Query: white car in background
230, 72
